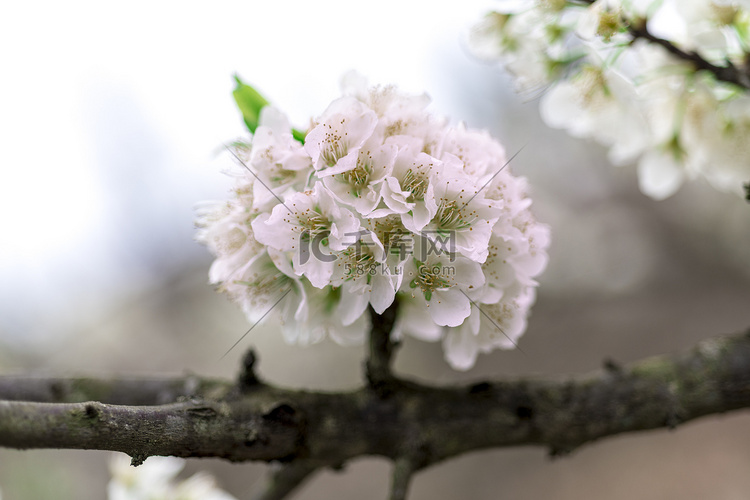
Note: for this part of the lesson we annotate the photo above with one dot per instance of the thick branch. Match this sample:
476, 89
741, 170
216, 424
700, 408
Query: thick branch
121, 391
237, 431
266, 423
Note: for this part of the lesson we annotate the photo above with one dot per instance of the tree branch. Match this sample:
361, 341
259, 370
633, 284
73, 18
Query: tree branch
121, 391
328, 429
286, 479
729, 73
381, 350
236, 431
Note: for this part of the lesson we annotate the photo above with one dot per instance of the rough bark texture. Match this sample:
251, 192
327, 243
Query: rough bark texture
413, 424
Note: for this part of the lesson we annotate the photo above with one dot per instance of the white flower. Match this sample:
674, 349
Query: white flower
530, 256
729, 166
739, 4
440, 284
280, 162
647, 104
660, 172
385, 204
359, 185
478, 152
463, 216
398, 113
397, 242
156, 479
597, 102
489, 326
708, 28
328, 312
498, 270
409, 190
150, 480
341, 131
414, 319
518, 37
226, 231
363, 271
261, 284
306, 223
200, 486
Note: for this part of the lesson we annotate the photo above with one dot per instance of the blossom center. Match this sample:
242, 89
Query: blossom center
359, 176
280, 175
451, 217
416, 183
264, 284
312, 223
334, 146
360, 264
432, 277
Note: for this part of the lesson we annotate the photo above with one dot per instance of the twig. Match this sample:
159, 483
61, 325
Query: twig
729, 73
285, 479
248, 379
403, 469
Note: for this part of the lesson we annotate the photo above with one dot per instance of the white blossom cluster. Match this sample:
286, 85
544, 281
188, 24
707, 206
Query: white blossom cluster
635, 97
382, 203
156, 479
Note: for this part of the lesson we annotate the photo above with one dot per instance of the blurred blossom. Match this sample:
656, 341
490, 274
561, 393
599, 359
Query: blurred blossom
156, 479
637, 99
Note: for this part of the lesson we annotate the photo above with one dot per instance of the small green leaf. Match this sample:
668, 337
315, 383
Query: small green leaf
250, 103
299, 136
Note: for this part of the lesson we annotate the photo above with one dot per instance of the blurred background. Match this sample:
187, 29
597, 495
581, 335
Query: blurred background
112, 119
